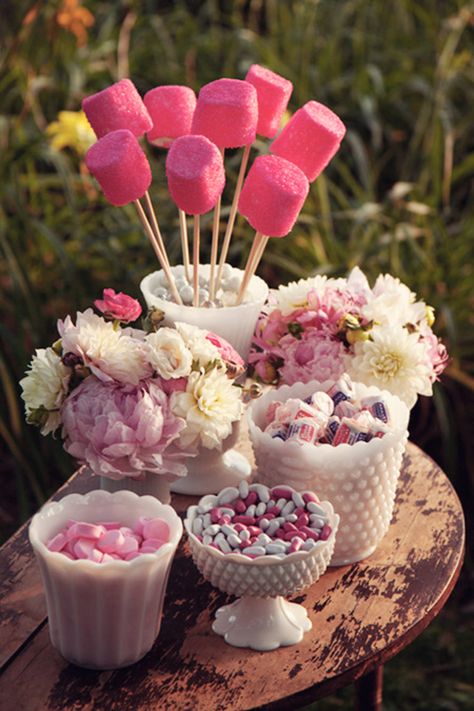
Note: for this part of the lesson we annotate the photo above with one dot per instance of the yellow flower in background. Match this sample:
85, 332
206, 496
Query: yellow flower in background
76, 19
71, 130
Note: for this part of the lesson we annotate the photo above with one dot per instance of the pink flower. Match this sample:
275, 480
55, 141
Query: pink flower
122, 430
313, 357
436, 353
227, 352
118, 306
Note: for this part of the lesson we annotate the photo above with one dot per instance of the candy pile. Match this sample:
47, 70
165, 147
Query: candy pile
226, 295
332, 417
106, 541
255, 521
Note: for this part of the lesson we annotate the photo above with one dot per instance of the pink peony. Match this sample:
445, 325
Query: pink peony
122, 430
118, 306
227, 352
312, 357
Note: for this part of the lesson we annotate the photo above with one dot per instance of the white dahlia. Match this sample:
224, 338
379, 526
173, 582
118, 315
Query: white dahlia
168, 354
45, 387
393, 360
110, 353
202, 350
392, 303
210, 404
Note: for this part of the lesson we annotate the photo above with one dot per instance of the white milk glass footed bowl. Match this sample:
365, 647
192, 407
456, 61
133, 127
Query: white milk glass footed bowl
234, 323
359, 479
103, 615
261, 618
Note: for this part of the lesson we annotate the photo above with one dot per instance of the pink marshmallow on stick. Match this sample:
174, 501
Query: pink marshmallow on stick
227, 113
122, 170
310, 139
196, 179
271, 199
171, 108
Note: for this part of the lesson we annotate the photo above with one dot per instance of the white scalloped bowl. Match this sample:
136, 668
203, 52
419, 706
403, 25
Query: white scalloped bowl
103, 615
360, 479
261, 619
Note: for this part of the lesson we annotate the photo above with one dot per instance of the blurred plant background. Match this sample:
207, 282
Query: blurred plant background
397, 198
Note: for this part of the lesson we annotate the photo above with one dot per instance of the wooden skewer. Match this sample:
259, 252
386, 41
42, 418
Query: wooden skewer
196, 245
156, 246
214, 246
183, 228
156, 229
256, 254
232, 214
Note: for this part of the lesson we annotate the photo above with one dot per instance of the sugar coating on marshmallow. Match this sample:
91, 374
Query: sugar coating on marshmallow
120, 167
118, 106
171, 109
227, 113
310, 139
273, 94
273, 195
195, 172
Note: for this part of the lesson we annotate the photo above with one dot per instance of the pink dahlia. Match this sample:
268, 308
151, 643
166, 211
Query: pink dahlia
122, 430
314, 357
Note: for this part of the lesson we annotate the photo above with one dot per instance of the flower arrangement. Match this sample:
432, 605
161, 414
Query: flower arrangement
321, 327
130, 401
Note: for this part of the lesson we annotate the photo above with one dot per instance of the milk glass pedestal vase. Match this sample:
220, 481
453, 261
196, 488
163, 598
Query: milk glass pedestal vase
261, 618
103, 615
156, 485
213, 469
234, 323
360, 479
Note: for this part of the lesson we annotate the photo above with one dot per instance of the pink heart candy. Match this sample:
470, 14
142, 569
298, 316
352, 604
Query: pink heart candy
156, 528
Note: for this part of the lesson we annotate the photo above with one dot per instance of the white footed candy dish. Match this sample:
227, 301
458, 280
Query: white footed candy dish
359, 479
261, 618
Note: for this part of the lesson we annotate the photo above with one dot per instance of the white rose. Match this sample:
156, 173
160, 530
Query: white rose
111, 354
168, 354
209, 405
45, 385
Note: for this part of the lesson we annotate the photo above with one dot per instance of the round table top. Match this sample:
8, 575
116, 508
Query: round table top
362, 615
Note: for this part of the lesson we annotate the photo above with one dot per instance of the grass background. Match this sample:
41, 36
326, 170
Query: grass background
397, 198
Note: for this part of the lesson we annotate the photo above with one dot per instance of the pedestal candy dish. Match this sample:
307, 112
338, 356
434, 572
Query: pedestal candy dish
103, 615
261, 618
359, 479
234, 323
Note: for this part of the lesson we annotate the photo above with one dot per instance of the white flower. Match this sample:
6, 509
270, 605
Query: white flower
110, 353
393, 360
45, 386
209, 405
168, 354
393, 303
295, 294
202, 350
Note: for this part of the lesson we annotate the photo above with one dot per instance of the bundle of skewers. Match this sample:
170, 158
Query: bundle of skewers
228, 113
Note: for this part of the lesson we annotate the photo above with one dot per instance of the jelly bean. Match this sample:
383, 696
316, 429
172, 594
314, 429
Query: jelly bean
233, 540
263, 523
281, 492
261, 491
228, 530
240, 507
310, 533
302, 520
288, 508
251, 510
254, 550
243, 489
248, 520
228, 495
315, 508
197, 526
298, 499
289, 527
310, 496
296, 544
325, 532
212, 530
308, 544
274, 548
252, 498
292, 518
260, 509
224, 546
255, 530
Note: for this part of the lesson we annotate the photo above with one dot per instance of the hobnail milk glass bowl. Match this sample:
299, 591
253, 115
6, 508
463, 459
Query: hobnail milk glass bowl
103, 615
359, 479
261, 618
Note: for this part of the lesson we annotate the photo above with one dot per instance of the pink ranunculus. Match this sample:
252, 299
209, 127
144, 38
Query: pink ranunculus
119, 306
436, 352
314, 357
122, 430
227, 352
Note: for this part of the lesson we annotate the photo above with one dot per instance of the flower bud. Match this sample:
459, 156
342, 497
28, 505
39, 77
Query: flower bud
353, 336
430, 315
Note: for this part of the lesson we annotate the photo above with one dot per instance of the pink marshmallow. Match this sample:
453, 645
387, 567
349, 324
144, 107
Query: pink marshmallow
272, 195
120, 167
273, 94
118, 106
227, 113
85, 530
310, 139
58, 542
156, 528
171, 109
195, 171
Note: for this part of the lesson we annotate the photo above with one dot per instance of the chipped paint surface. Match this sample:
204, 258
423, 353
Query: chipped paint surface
362, 615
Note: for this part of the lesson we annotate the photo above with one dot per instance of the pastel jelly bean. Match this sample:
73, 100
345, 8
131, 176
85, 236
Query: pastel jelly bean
119, 106
310, 139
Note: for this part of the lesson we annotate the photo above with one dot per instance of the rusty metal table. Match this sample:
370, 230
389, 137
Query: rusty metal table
362, 615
